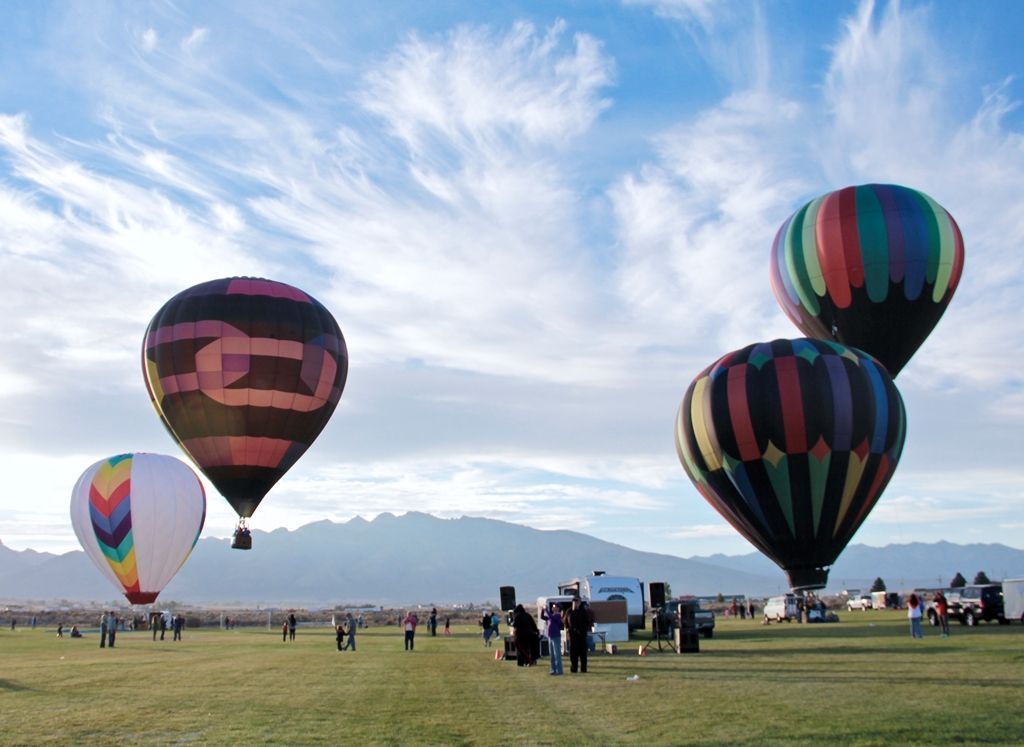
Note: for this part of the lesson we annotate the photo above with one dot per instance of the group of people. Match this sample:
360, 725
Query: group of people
741, 609
161, 622
108, 629
340, 633
288, 628
490, 623
75, 632
915, 612
576, 622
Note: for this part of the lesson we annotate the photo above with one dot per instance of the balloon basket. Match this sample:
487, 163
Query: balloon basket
242, 539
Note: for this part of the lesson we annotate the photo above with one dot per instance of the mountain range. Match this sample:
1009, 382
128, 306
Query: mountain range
418, 558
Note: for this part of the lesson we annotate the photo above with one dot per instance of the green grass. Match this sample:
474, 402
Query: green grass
862, 681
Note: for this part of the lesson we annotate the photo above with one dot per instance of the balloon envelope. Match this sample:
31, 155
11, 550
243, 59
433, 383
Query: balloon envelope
244, 373
138, 516
873, 267
793, 442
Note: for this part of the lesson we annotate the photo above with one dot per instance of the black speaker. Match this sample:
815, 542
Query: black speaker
688, 615
657, 594
687, 641
508, 597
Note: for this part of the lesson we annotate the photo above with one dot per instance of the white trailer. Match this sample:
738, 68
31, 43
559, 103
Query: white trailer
1013, 599
600, 587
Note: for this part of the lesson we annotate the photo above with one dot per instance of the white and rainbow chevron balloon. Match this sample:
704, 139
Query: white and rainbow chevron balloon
138, 516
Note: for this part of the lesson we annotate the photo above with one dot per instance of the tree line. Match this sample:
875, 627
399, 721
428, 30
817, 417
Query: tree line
958, 581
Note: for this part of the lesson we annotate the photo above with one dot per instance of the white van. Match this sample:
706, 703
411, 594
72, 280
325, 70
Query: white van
782, 608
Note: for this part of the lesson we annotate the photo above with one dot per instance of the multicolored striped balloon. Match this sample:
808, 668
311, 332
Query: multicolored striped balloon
138, 516
244, 373
793, 442
872, 266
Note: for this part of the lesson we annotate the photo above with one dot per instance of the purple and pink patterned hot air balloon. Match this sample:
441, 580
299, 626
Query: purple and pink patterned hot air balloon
244, 373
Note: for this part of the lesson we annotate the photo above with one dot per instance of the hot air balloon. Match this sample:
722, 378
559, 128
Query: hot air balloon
138, 516
244, 373
793, 442
873, 267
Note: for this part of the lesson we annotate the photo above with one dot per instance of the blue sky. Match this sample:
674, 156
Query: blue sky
534, 222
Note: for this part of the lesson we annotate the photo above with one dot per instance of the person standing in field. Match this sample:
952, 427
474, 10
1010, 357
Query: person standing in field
578, 621
942, 612
179, 625
111, 629
554, 633
339, 635
409, 625
527, 637
914, 610
432, 622
488, 628
496, 625
447, 626
291, 626
103, 629
284, 632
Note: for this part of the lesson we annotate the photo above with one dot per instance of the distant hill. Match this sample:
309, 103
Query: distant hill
417, 558
12, 561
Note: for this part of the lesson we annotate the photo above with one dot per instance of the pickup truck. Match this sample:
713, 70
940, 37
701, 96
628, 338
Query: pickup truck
704, 619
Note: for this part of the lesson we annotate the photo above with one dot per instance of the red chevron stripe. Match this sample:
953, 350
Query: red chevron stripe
106, 505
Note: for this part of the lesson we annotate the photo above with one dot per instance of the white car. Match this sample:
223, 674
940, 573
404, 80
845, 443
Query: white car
863, 602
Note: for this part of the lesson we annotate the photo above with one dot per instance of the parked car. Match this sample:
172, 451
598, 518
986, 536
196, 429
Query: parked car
782, 608
863, 602
970, 604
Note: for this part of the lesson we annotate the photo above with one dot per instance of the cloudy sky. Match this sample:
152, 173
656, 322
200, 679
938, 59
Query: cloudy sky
535, 222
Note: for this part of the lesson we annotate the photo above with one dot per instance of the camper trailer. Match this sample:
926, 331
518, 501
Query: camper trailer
600, 587
1013, 599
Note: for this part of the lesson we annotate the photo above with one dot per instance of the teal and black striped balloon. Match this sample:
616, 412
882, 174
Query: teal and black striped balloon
793, 442
873, 267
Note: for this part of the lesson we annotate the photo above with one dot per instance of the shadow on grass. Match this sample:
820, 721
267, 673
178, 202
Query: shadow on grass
13, 686
772, 676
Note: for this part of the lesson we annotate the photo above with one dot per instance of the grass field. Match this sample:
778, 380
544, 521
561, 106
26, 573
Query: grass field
862, 681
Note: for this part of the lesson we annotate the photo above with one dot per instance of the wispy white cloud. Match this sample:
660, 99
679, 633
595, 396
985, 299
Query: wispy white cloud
149, 39
686, 11
703, 531
481, 92
695, 227
450, 487
196, 39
